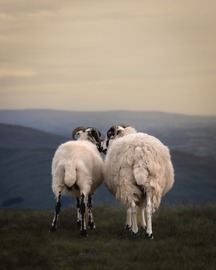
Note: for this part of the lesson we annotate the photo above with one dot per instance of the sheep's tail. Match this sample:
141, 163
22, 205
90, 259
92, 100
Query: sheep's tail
148, 184
70, 175
62, 175
77, 173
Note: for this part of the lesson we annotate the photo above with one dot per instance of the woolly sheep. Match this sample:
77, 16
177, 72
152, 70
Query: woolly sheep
77, 170
138, 171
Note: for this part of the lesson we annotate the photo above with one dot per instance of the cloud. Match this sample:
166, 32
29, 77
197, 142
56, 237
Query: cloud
13, 72
107, 46
14, 8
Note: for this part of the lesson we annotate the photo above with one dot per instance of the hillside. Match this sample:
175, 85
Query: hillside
25, 172
14, 136
25, 168
51, 120
191, 134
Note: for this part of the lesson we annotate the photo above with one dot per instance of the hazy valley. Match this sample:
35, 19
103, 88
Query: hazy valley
28, 140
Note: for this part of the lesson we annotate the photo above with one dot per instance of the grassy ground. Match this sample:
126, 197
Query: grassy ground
185, 239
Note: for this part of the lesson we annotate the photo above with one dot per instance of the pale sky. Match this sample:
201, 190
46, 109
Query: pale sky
108, 55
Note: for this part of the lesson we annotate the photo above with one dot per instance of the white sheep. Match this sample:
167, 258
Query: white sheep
138, 171
77, 170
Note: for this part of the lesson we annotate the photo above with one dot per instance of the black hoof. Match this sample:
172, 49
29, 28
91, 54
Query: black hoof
127, 227
91, 225
83, 233
144, 228
149, 236
134, 234
52, 229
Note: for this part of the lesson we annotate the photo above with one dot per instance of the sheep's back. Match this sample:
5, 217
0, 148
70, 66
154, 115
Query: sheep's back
142, 150
76, 152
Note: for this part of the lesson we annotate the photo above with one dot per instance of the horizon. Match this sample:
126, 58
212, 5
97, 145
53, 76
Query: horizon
111, 110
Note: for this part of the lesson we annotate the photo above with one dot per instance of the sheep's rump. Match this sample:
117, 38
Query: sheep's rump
136, 163
76, 162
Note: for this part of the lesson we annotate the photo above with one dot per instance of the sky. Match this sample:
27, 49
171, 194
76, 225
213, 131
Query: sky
109, 55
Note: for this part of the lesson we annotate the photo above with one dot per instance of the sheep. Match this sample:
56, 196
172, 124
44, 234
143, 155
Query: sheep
138, 171
77, 170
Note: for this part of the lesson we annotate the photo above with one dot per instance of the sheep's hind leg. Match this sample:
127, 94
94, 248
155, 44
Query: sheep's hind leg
134, 228
128, 219
91, 223
83, 230
142, 218
53, 227
149, 234
78, 213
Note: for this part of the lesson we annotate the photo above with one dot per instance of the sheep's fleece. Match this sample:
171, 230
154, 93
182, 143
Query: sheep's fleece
77, 162
140, 159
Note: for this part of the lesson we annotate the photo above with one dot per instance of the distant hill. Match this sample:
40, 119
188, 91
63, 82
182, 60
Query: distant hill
195, 178
62, 122
25, 172
191, 134
14, 136
25, 168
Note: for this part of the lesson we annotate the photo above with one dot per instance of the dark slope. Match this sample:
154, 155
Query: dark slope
25, 172
192, 134
25, 168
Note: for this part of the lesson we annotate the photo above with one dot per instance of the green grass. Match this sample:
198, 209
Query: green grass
184, 239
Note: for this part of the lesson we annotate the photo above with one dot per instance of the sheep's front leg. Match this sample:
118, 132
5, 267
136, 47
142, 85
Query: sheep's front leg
83, 230
53, 227
91, 223
134, 227
149, 234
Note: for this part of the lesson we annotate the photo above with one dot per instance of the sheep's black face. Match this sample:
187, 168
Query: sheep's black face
111, 133
94, 135
116, 131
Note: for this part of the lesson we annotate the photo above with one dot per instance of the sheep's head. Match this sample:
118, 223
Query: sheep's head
116, 132
91, 134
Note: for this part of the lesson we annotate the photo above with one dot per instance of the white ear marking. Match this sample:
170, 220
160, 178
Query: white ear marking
120, 128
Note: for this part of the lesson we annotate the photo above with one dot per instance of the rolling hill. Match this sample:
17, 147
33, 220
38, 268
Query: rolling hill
191, 134
25, 165
25, 168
